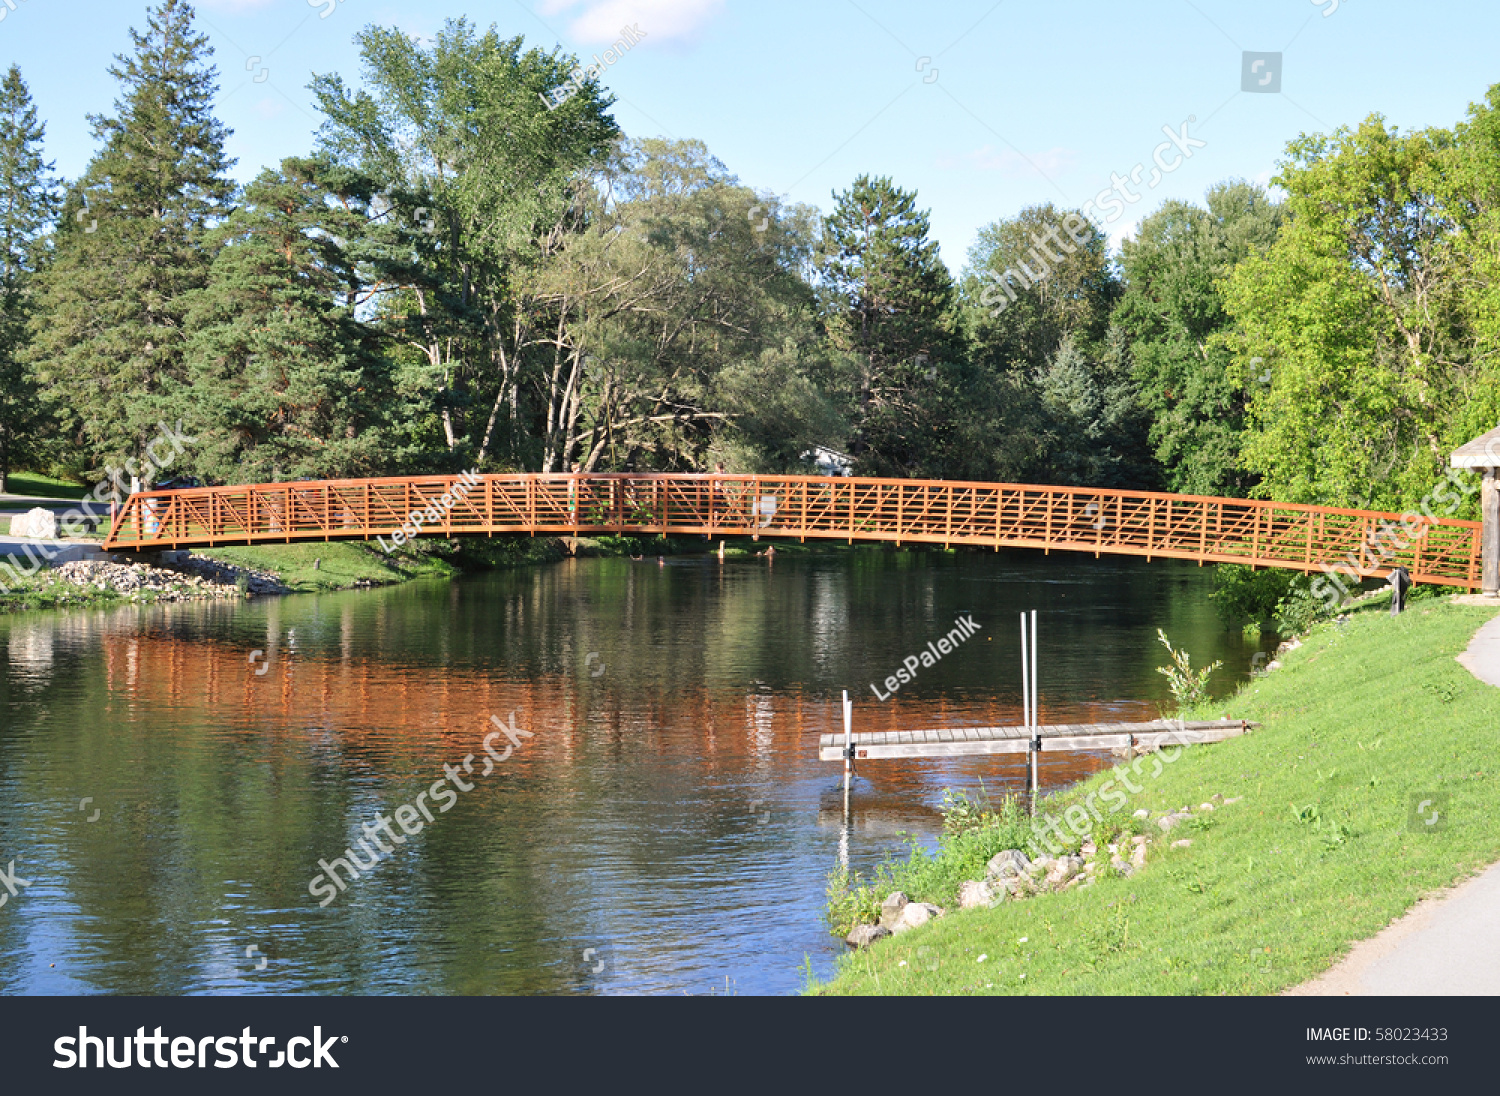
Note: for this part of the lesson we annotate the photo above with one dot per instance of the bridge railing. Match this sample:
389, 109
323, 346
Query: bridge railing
1439, 550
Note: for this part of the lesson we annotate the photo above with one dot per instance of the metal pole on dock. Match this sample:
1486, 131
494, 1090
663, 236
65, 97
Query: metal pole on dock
848, 773
1029, 698
1025, 676
848, 737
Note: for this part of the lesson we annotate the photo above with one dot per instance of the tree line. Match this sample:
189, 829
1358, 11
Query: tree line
474, 267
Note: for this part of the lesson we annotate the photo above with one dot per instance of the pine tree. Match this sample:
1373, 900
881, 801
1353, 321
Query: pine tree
132, 243
28, 204
283, 380
888, 310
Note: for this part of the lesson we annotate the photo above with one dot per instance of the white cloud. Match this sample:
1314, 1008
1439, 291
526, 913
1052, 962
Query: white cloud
660, 20
1012, 164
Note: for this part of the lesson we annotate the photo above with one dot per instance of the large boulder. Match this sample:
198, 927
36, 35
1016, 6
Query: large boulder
973, 894
865, 935
914, 915
1005, 865
890, 910
36, 523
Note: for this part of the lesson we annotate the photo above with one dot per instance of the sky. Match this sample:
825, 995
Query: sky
982, 108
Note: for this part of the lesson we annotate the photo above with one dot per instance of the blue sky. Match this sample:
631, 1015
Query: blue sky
982, 107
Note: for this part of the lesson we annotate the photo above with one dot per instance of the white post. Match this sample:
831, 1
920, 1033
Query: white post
848, 737
1026, 711
1036, 717
848, 772
1025, 677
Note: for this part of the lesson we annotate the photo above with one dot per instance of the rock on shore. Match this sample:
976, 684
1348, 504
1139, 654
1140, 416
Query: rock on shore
1011, 875
190, 578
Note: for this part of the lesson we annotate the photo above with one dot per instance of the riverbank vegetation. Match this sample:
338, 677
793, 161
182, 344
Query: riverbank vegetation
1364, 721
471, 275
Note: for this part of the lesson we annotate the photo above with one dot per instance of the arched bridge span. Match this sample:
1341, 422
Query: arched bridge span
1445, 551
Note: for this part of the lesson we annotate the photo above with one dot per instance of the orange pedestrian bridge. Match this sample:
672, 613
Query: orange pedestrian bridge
1438, 550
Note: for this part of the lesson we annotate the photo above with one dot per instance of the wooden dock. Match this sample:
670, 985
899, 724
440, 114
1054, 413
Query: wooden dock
972, 741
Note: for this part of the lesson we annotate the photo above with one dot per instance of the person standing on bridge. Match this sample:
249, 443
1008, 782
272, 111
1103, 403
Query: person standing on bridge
573, 495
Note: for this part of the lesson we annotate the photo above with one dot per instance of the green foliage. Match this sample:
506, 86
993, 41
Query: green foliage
1047, 391
1299, 610
1172, 309
28, 202
851, 901
973, 832
482, 184
685, 331
1094, 432
468, 272
131, 244
283, 382
1361, 315
1057, 265
1189, 687
1242, 593
888, 310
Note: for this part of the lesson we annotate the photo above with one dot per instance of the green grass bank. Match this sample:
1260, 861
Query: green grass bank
1360, 722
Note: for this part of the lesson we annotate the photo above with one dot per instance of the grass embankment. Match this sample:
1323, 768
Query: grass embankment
39, 486
1360, 723
309, 566
42, 591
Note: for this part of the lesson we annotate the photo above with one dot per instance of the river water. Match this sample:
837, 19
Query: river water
173, 777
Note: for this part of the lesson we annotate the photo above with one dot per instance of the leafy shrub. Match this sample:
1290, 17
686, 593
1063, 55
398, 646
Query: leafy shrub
850, 902
973, 832
1189, 687
1243, 593
1300, 610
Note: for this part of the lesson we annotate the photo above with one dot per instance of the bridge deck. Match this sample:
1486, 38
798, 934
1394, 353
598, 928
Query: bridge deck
971, 741
1445, 551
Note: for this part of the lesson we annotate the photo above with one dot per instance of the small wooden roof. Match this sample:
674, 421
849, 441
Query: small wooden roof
1482, 452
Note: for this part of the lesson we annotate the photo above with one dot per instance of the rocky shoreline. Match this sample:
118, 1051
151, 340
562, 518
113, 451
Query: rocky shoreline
180, 576
1011, 876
